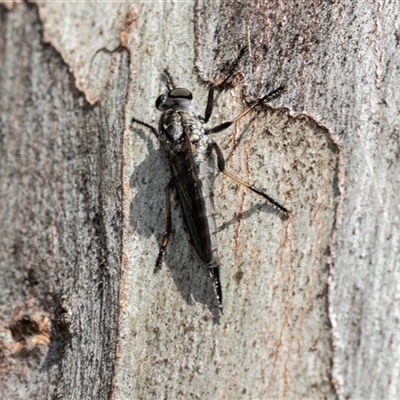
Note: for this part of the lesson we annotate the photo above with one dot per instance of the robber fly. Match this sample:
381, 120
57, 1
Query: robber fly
185, 137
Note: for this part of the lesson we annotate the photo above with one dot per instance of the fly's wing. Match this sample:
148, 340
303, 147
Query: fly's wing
190, 196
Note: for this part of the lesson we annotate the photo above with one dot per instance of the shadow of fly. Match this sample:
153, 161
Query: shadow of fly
185, 137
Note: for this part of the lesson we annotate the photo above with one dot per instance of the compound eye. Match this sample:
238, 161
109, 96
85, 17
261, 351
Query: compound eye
180, 93
159, 101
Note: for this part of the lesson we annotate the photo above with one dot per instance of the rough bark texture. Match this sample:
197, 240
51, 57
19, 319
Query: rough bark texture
310, 301
60, 213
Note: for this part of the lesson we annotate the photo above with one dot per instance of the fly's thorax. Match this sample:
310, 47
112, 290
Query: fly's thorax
171, 125
174, 123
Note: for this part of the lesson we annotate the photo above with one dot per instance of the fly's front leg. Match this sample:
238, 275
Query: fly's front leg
221, 167
154, 130
168, 227
220, 81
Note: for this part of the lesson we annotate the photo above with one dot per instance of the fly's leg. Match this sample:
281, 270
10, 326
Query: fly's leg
221, 81
214, 272
221, 167
168, 80
168, 204
154, 130
272, 95
168, 227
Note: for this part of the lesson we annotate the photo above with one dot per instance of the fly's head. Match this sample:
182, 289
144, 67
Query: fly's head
174, 99
177, 121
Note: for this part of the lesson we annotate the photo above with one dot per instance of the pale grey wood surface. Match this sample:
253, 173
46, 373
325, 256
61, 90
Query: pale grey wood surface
310, 302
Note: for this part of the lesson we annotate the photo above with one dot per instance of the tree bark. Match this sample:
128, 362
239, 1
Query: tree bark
310, 305
60, 251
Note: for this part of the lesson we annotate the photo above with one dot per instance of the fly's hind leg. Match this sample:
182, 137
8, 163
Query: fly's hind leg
168, 227
221, 167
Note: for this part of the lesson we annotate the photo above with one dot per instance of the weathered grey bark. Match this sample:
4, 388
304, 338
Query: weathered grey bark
60, 248
310, 301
